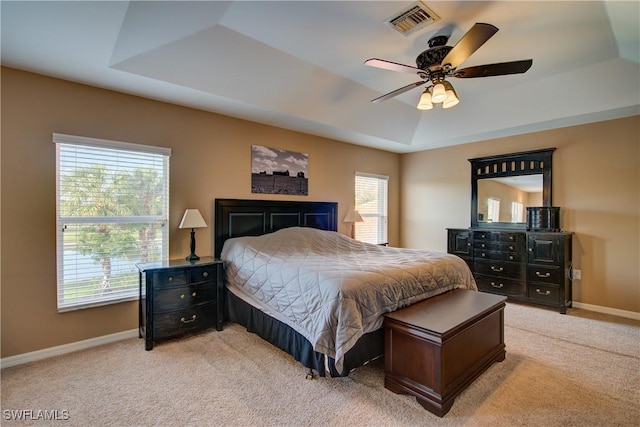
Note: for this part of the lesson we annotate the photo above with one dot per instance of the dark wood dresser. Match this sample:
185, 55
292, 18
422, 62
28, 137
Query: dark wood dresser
527, 266
178, 297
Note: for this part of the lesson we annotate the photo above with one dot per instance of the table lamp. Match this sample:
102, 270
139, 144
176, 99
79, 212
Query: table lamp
192, 219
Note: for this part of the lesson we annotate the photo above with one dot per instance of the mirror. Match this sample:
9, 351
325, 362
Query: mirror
502, 187
506, 199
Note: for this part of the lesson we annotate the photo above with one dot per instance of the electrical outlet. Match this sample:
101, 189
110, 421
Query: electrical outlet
576, 274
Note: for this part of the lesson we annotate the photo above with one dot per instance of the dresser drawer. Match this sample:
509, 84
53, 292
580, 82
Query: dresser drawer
207, 273
169, 278
500, 269
500, 236
501, 285
499, 256
544, 293
485, 236
544, 274
500, 246
176, 323
180, 298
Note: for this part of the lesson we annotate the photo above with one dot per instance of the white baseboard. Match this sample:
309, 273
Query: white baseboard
19, 359
614, 311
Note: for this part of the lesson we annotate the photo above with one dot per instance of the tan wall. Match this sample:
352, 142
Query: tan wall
211, 159
596, 182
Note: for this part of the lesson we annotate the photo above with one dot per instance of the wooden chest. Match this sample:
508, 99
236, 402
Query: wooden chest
434, 349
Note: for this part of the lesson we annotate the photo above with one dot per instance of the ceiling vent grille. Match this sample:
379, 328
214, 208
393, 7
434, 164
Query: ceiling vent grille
416, 17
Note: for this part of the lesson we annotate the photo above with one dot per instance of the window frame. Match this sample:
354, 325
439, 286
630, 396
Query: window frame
383, 205
131, 293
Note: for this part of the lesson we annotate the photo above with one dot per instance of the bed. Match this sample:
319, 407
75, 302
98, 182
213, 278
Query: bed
314, 293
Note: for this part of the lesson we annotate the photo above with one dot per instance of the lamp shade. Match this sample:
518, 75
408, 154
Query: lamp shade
192, 219
353, 216
452, 96
439, 93
425, 101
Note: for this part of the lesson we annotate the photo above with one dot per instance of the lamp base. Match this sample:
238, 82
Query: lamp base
192, 257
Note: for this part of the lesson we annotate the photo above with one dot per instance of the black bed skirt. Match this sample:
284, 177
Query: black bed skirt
369, 347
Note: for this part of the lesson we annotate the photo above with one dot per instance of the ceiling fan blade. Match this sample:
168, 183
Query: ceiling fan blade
488, 70
469, 43
393, 66
399, 91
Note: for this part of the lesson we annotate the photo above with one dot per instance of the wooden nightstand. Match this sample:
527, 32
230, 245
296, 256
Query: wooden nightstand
178, 297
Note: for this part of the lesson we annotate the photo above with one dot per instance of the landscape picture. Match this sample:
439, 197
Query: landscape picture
276, 171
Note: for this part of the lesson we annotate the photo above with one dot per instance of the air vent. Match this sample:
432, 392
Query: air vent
416, 17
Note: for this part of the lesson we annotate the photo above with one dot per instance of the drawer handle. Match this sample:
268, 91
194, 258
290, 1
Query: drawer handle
510, 257
183, 295
498, 269
482, 246
510, 248
511, 238
547, 274
539, 292
170, 279
183, 320
499, 285
483, 254
205, 274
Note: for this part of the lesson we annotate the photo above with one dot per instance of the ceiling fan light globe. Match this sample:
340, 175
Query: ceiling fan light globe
451, 101
425, 101
439, 93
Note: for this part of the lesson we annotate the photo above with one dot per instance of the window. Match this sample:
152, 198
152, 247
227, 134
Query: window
371, 203
517, 212
493, 209
112, 202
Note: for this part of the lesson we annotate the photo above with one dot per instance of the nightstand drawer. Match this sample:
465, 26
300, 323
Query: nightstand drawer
207, 273
183, 297
176, 323
169, 278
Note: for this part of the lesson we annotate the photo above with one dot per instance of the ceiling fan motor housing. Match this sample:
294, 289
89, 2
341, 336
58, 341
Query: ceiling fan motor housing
431, 59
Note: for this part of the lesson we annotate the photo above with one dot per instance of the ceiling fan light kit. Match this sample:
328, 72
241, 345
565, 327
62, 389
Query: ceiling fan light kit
443, 92
441, 61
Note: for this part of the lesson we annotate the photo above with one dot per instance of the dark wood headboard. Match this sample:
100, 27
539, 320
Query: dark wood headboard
236, 218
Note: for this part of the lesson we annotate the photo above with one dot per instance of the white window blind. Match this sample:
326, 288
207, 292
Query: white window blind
517, 212
371, 202
112, 203
493, 209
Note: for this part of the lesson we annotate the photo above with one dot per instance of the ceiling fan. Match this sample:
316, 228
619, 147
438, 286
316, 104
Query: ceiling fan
438, 62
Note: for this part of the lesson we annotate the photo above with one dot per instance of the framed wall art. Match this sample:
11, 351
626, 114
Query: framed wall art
276, 171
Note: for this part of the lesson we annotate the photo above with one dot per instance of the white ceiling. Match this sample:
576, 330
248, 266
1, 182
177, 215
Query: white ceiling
299, 64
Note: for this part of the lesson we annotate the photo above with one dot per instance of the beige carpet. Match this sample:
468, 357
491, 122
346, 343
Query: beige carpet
580, 369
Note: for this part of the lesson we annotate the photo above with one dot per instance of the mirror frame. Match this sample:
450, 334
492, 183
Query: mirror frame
505, 165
